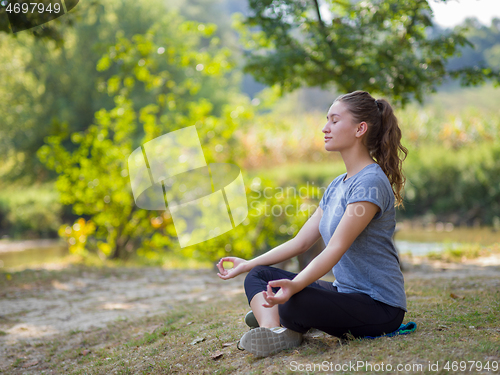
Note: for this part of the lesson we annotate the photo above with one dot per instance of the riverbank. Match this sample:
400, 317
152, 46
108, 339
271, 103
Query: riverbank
80, 319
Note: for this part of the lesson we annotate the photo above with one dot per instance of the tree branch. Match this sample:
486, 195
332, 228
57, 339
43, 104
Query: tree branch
324, 31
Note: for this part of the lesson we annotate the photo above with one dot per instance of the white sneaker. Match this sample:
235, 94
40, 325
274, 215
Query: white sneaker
262, 341
250, 320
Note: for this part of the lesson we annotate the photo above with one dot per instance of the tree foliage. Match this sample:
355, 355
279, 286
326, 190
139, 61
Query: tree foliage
179, 68
378, 46
45, 83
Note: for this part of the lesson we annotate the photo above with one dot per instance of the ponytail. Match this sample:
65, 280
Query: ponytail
388, 149
383, 138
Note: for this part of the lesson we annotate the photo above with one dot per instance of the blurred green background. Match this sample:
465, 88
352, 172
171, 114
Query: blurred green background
76, 101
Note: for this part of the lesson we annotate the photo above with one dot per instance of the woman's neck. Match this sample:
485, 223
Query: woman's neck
355, 159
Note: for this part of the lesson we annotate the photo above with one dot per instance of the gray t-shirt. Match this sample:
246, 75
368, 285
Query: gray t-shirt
371, 264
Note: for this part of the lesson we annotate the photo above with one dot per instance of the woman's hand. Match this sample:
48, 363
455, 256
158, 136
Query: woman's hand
239, 266
287, 289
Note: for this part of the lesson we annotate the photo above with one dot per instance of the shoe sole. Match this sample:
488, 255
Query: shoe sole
262, 342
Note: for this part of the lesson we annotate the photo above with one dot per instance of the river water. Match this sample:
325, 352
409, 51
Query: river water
30, 252
418, 242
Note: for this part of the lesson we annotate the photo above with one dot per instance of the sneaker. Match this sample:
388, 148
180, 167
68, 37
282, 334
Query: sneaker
262, 341
250, 320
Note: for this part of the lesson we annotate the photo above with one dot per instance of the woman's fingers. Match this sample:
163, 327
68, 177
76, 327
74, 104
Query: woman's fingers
238, 267
228, 274
268, 297
220, 267
279, 297
278, 283
270, 290
225, 274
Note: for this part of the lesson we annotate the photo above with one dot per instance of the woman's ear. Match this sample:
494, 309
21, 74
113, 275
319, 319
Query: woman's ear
362, 128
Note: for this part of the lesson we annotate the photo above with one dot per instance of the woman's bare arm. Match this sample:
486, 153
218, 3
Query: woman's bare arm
307, 236
350, 226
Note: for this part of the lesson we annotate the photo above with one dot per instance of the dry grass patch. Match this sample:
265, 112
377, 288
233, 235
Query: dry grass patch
458, 320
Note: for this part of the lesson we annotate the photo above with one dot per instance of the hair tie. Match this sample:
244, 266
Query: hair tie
379, 104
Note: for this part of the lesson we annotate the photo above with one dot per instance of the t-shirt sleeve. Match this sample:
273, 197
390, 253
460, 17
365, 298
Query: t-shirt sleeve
371, 188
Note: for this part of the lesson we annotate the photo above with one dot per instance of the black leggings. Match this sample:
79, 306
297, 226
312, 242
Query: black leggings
321, 306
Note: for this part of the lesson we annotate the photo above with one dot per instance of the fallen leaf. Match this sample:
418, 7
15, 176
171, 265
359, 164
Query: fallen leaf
456, 296
85, 352
189, 323
218, 354
30, 364
197, 340
225, 345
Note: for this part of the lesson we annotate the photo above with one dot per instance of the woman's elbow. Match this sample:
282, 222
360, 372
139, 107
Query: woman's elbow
302, 246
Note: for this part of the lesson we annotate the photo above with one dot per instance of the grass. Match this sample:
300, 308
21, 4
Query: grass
484, 236
464, 252
458, 320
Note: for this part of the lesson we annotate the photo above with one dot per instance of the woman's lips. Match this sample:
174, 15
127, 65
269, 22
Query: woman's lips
327, 139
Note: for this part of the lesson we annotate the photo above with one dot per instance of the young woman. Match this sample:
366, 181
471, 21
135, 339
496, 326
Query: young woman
356, 218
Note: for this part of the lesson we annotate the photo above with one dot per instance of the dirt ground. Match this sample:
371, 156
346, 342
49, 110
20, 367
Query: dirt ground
32, 312
86, 302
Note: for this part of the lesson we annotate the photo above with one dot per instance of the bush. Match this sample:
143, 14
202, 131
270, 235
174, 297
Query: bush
92, 165
461, 185
33, 212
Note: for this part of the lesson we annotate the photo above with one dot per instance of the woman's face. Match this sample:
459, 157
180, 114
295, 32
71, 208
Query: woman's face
340, 129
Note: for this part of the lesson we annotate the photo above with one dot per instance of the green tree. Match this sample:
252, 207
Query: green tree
44, 83
179, 68
378, 46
